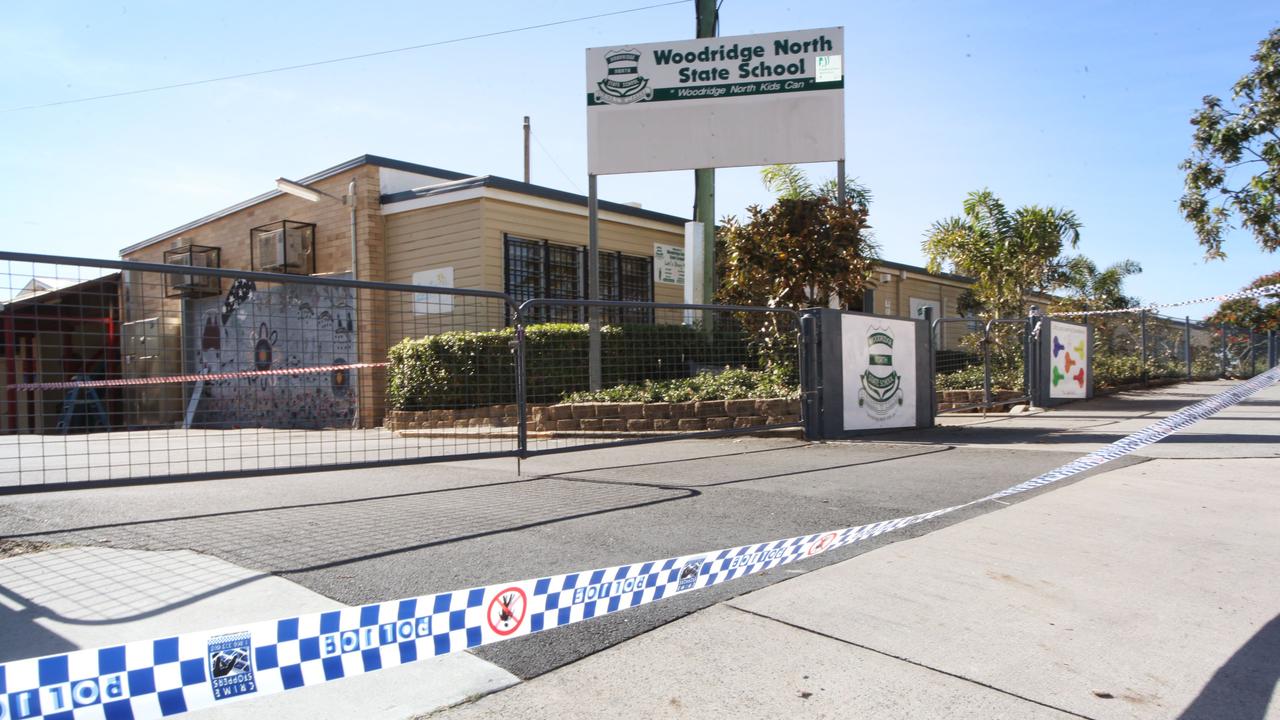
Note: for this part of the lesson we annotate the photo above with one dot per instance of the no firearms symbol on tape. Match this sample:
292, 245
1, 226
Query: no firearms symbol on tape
820, 545
507, 610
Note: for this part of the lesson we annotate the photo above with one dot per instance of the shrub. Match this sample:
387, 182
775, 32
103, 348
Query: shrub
730, 384
970, 378
1113, 370
467, 369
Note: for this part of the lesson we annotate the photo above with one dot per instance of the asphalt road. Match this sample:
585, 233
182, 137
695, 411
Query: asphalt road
371, 535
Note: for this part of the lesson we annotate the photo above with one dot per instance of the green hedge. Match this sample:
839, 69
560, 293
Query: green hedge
730, 384
970, 378
467, 369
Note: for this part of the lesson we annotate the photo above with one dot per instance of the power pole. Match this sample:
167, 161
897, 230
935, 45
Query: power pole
526, 148
704, 181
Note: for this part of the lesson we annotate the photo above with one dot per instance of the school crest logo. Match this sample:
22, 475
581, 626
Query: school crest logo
881, 392
623, 83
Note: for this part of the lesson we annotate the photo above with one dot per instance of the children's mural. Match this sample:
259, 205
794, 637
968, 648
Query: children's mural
282, 326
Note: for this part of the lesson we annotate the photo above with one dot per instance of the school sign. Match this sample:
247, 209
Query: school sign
716, 102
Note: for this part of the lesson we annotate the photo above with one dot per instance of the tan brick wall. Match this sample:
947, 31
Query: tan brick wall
332, 255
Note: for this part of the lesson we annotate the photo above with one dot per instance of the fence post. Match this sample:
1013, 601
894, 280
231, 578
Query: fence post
986, 366
933, 358
1273, 350
522, 408
810, 375
1186, 343
1253, 354
1223, 329
1031, 355
1142, 320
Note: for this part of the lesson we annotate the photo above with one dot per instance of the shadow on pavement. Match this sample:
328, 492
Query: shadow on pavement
1243, 686
319, 536
773, 476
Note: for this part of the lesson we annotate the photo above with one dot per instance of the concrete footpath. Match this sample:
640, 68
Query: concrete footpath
60, 599
1150, 591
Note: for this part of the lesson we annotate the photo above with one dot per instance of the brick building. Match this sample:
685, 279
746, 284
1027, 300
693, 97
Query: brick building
413, 224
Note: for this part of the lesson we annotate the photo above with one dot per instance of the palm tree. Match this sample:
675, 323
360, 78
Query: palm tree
791, 183
1008, 254
1087, 288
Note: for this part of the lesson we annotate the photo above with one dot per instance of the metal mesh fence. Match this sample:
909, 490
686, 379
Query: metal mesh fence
122, 371
979, 365
1142, 347
1167, 340
1247, 353
664, 371
1205, 361
1117, 350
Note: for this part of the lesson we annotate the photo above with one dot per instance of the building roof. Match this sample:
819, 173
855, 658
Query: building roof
923, 271
515, 186
449, 175
338, 169
44, 290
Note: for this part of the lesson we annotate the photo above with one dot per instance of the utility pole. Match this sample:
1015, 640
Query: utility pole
704, 180
526, 148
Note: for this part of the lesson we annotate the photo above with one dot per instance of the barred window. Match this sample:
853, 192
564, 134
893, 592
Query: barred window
540, 269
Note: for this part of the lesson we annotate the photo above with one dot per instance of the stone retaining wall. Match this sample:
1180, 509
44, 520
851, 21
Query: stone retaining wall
608, 417
951, 399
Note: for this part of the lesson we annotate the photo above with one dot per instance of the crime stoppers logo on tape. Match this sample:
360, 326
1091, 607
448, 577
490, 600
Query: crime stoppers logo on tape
230, 665
169, 676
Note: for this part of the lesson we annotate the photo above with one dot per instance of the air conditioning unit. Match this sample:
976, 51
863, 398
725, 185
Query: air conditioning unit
277, 253
283, 247
189, 284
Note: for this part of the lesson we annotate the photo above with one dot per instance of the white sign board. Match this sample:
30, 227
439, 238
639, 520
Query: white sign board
918, 305
917, 311
716, 102
1068, 369
433, 303
668, 264
879, 357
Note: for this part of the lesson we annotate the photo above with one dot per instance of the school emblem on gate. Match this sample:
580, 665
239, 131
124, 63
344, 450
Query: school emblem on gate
881, 392
624, 83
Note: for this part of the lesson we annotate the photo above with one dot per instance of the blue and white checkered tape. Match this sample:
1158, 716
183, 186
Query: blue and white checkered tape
172, 675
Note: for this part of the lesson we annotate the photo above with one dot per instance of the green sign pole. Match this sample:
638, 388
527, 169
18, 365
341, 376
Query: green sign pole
704, 180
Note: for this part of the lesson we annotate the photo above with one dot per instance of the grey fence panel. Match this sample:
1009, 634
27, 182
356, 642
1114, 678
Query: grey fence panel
1166, 347
979, 365
122, 371
657, 360
959, 364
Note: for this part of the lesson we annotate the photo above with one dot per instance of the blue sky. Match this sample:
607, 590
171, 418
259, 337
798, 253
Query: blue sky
1081, 105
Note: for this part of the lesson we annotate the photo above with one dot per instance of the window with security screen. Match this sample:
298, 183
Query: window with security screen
542, 269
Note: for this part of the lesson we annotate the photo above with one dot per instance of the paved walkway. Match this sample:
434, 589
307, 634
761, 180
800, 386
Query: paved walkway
1148, 589
1151, 591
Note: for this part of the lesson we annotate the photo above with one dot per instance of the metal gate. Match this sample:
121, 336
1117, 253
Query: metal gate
127, 371
654, 364
981, 365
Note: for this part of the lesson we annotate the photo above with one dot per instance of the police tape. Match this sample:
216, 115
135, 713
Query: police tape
172, 675
194, 377
1241, 294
